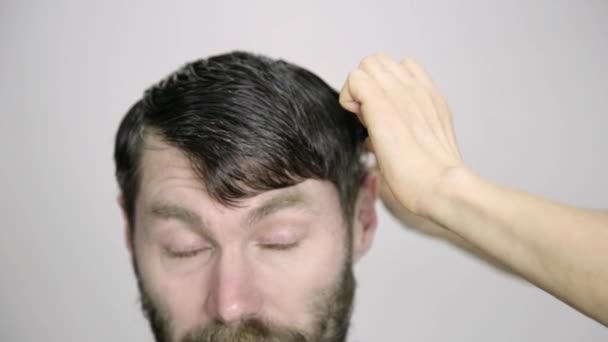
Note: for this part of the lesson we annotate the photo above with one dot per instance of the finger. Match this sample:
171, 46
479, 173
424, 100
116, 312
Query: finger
347, 101
374, 67
418, 72
364, 90
413, 95
393, 78
398, 70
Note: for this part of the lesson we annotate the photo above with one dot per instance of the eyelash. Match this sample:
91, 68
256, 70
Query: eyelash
185, 254
280, 246
195, 252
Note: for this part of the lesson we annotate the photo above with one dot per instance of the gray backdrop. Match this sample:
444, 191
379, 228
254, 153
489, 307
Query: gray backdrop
526, 81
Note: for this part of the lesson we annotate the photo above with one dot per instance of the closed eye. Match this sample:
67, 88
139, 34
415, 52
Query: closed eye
279, 246
186, 253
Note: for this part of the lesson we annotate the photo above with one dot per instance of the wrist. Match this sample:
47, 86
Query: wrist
453, 185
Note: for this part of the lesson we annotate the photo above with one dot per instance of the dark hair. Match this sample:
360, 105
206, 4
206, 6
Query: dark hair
248, 124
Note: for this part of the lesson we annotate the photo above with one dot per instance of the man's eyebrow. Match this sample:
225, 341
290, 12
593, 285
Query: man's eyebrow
194, 222
284, 200
168, 210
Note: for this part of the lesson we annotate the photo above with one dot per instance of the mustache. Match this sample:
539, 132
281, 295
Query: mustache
251, 330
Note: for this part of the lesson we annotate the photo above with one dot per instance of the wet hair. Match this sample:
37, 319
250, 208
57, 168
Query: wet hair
248, 124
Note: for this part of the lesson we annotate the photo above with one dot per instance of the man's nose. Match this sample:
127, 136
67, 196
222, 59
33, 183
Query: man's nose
233, 294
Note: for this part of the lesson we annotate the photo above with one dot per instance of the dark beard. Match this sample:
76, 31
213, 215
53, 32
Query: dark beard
332, 310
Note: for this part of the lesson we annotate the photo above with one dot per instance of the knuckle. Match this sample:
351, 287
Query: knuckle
382, 56
368, 61
408, 62
345, 97
355, 77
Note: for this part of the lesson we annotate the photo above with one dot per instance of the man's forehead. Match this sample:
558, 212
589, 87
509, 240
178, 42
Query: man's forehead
164, 166
158, 154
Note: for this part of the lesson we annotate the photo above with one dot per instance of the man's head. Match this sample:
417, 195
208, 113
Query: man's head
246, 201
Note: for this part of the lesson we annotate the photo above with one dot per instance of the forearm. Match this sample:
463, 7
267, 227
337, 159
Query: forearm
429, 228
560, 249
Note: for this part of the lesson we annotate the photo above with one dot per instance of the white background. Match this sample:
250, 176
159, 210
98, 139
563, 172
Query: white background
526, 80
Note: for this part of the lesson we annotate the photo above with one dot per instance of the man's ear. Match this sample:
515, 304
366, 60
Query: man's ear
127, 228
365, 219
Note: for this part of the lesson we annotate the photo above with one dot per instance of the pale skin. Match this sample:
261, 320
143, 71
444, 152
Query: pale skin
561, 249
269, 258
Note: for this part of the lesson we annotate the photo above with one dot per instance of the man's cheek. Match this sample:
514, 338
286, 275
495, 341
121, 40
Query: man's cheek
179, 297
292, 283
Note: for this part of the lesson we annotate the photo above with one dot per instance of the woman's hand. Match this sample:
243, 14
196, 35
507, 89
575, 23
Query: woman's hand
409, 124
